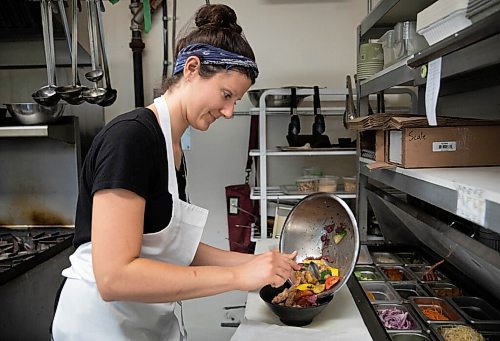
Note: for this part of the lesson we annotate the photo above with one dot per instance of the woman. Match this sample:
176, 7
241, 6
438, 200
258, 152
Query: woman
138, 240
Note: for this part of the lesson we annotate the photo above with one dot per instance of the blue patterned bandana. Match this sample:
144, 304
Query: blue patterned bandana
211, 55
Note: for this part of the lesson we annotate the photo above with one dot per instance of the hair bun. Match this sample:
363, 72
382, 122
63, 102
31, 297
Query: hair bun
217, 17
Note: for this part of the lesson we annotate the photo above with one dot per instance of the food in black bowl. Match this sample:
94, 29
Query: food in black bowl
292, 316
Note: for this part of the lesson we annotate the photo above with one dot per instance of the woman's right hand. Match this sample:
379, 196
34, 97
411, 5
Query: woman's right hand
271, 267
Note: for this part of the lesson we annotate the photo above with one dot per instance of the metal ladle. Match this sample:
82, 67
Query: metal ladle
71, 93
95, 94
47, 94
95, 75
111, 93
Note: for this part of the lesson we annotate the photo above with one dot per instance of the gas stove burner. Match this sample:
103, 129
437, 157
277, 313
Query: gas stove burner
18, 246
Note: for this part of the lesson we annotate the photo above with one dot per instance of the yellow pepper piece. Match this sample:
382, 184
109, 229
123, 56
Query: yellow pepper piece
317, 261
318, 288
334, 271
305, 286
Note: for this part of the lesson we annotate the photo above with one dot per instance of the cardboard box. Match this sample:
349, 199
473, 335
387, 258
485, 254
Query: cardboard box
458, 146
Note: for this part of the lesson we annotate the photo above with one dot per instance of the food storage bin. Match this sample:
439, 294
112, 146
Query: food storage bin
440, 331
328, 183
396, 273
367, 273
444, 289
307, 184
440, 307
409, 336
380, 292
477, 312
349, 183
386, 258
411, 258
442, 19
387, 41
364, 257
409, 289
411, 323
420, 270
406, 39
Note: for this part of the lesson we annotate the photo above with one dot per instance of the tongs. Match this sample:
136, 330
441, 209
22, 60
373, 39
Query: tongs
350, 109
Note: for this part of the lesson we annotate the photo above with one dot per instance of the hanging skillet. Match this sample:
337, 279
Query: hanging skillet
318, 128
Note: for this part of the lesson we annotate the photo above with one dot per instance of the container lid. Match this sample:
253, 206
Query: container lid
439, 10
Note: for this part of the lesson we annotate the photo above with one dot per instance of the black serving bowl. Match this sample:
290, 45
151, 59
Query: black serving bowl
292, 316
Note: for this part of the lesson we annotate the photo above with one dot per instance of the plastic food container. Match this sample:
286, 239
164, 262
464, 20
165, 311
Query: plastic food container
349, 183
477, 312
312, 171
440, 330
386, 258
420, 270
408, 289
411, 258
442, 19
420, 304
328, 183
444, 289
409, 336
307, 184
367, 273
396, 273
380, 292
406, 39
412, 325
364, 256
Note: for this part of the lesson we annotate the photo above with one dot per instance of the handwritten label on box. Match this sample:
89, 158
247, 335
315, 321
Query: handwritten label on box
471, 204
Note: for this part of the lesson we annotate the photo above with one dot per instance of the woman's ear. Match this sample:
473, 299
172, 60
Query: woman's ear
191, 67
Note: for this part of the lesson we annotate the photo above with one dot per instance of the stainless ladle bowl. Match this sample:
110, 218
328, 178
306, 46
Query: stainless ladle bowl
71, 93
94, 75
94, 95
46, 95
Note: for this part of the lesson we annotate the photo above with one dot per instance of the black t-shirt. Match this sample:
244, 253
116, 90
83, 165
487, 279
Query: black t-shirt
129, 153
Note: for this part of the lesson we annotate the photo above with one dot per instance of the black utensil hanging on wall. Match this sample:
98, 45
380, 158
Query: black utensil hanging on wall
318, 128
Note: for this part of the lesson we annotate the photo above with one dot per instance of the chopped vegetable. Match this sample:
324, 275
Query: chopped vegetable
371, 297
340, 233
460, 333
325, 273
331, 281
395, 319
435, 314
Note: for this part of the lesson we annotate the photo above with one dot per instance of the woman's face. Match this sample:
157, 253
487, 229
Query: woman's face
214, 97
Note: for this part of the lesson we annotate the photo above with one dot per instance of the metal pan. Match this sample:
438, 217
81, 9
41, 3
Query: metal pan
305, 231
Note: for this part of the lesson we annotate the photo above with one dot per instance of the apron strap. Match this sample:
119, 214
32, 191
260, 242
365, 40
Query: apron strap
164, 114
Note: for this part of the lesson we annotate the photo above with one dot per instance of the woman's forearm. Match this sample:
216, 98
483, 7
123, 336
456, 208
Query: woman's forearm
209, 255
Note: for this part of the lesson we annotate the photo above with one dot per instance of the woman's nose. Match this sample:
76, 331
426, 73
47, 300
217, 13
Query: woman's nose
228, 111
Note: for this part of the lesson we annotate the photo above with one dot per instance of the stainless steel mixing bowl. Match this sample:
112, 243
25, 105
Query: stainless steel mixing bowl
33, 113
304, 231
275, 100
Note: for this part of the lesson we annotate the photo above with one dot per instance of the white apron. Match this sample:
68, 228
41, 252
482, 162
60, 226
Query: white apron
81, 313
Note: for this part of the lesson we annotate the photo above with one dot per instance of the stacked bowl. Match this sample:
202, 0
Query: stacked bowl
370, 60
